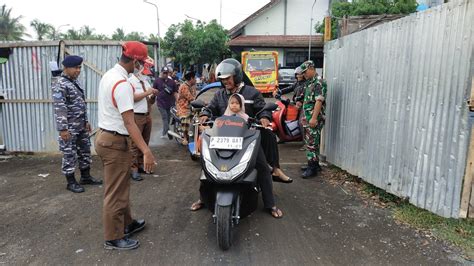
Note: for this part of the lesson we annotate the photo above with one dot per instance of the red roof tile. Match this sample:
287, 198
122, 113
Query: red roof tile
277, 41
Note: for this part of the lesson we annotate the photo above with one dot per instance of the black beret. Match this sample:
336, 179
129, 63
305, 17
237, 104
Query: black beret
72, 61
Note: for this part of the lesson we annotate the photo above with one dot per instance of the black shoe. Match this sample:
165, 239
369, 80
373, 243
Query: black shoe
312, 170
122, 244
87, 179
135, 227
72, 184
90, 181
136, 176
278, 179
75, 187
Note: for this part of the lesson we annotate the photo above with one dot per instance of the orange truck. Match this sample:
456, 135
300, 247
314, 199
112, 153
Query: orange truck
262, 69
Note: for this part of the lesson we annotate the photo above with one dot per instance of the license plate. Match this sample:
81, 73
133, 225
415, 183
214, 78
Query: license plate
226, 143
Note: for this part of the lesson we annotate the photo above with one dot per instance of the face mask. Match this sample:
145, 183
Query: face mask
138, 70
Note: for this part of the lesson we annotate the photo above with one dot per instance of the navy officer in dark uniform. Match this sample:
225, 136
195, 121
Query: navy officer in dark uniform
70, 113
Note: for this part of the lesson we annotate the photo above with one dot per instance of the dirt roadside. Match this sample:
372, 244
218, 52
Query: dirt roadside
42, 223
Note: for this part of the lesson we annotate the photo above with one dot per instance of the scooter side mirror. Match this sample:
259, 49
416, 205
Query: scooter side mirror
198, 104
268, 107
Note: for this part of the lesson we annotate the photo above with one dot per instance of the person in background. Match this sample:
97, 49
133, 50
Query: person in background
174, 76
141, 108
314, 117
298, 96
70, 111
166, 96
186, 94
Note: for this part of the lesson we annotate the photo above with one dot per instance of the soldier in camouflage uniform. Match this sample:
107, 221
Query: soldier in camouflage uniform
314, 116
71, 122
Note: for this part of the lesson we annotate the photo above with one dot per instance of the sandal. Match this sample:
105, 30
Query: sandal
277, 178
275, 212
197, 205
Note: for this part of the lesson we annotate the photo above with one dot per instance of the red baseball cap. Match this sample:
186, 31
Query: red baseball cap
149, 61
146, 70
135, 50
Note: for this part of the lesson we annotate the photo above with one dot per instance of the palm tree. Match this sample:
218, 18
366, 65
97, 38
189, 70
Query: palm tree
118, 35
72, 34
10, 28
42, 29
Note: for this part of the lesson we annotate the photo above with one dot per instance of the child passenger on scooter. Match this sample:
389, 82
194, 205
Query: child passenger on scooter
236, 106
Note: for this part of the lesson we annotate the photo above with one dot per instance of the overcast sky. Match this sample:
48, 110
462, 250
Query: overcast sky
134, 15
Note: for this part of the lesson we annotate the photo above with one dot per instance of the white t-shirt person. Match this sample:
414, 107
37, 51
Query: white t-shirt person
115, 97
140, 106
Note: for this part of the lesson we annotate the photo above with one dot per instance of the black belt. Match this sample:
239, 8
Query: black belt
114, 132
142, 113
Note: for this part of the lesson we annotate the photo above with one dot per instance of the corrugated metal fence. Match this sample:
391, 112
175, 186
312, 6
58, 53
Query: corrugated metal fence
26, 113
396, 107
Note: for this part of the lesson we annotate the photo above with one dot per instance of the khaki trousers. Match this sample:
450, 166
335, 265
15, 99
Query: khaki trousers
114, 151
144, 125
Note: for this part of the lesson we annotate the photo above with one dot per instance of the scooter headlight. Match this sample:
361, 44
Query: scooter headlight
235, 171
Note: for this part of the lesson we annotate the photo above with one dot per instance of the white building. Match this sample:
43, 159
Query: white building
283, 26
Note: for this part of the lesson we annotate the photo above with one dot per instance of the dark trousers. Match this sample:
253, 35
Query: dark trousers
264, 180
165, 117
269, 145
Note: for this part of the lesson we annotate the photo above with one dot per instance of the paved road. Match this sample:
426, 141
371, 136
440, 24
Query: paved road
42, 223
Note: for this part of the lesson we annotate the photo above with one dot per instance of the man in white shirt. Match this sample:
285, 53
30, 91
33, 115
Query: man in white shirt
112, 143
143, 91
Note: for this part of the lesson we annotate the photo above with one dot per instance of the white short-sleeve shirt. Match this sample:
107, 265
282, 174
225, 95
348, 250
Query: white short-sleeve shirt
142, 105
114, 82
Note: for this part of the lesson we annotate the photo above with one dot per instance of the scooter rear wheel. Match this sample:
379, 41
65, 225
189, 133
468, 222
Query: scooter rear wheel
176, 129
224, 226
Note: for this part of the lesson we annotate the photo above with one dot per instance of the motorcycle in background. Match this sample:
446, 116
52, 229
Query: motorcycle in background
176, 130
285, 124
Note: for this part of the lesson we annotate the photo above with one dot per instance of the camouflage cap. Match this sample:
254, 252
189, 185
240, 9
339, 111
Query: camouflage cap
306, 65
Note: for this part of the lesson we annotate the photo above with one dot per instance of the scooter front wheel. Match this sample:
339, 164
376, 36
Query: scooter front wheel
224, 226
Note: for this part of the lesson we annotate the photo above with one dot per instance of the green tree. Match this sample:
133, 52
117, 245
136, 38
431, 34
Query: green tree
366, 7
84, 33
42, 29
118, 35
10, 27
191, 44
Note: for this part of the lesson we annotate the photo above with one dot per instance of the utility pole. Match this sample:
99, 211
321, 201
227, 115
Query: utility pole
311, 31
220, 13
157, 62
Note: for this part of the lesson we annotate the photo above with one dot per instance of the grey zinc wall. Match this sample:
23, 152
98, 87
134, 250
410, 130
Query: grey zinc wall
396, 105
26, 113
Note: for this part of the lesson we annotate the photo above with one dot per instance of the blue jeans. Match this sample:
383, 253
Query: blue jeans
165, 118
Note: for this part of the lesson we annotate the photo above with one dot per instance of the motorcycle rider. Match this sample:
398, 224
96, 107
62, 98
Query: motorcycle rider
230, 73
298, 96
297, 88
